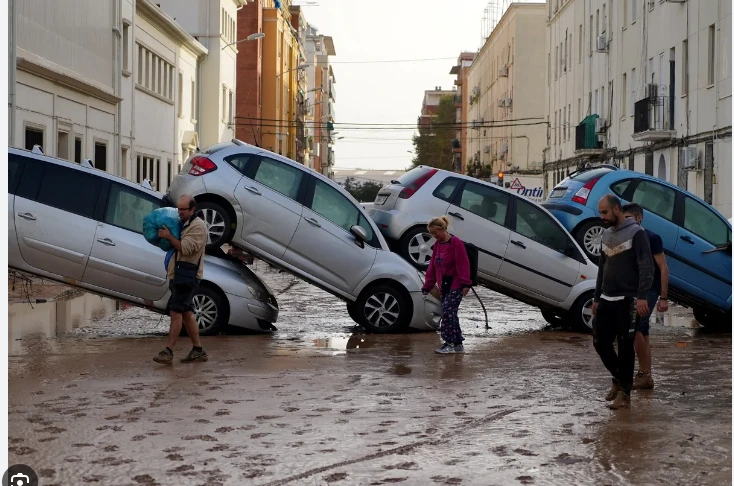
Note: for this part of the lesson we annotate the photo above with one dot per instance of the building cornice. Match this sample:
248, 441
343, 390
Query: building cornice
170, 27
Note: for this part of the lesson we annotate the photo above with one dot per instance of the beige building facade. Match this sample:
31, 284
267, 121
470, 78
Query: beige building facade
504, 90
644, 85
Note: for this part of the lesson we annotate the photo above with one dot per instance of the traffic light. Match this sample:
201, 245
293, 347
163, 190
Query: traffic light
500, 178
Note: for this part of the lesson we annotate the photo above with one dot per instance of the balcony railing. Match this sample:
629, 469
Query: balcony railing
653, 119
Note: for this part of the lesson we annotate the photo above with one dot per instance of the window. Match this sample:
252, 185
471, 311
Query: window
224, 104
633, 8
279, 177
549, 69
332, 205
123, 161
148, 168
633, 91
602, 101
625, 14
33, 136
14, 168
564, 124
485, 202
656, 198
169, 165
62, 145
239, 161
230, 107
180, 95
100, 156
611, 19
141, 61
555, 74
604, 19
712, 55
624, 92
78, 149
126, 207
54, 190
685, 67
704, 223
620, 187
569, 46
611, 101
596, 101
581, 42
591, 35
193, 99
535, 224
155, 73
126, 47
446, 189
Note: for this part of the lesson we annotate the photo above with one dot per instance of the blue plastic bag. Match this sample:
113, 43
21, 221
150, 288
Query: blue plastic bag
168, 257
157, 219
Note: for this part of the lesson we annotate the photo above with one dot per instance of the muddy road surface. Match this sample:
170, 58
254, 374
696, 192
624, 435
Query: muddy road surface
319, 402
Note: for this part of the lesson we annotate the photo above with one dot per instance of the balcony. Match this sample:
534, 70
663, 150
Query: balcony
653, 119
587, 140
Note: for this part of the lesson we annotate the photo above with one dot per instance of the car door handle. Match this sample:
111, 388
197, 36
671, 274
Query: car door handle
687, 239
518, 243
27, 216
313, 222
457, 215
253, 190
106, 241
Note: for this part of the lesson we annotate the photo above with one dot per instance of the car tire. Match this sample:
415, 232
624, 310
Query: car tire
554, 318
581, 318
588, 235
416, 246
383, 309
218, 222
711, 319
211, 310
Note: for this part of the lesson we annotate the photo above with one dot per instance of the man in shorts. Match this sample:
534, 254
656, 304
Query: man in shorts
643, 379
190, 248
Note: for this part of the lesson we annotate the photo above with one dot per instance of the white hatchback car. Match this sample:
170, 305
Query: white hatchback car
524, 252
84, 227
308, 225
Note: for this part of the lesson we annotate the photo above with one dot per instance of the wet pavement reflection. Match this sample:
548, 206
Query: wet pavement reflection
321, 402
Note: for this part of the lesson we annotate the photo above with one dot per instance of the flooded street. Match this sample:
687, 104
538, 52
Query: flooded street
320, 402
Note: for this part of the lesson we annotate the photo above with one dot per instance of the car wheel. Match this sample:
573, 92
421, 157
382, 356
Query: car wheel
712, 319
211, 310
416, 246
589, 237
553, 318
581, 317
383, 309
218, 223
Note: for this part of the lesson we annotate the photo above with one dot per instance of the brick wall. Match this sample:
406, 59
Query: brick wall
249, 74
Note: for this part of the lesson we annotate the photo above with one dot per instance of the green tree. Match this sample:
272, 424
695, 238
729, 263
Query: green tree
363, 191
432, 146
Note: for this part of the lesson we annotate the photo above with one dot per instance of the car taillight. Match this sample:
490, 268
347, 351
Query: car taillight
582, 195
201, 165
408, 191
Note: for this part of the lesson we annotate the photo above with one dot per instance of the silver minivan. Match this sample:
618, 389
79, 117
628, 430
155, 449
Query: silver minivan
524, 252
306, 224
83, 227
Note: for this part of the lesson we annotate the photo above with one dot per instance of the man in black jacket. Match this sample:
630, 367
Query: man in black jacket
625, 276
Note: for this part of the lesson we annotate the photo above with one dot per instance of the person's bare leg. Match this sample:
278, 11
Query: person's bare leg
175, 331
192, 328
640, 350
646, 356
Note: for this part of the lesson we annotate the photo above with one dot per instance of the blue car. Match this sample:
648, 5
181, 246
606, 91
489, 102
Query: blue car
696, 237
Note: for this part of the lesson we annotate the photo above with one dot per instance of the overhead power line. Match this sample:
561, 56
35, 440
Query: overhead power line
393, 60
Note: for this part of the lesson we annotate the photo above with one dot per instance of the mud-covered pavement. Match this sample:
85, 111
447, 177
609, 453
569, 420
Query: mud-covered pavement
320, 403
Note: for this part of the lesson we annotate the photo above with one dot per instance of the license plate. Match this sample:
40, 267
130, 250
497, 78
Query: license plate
558, 192
380, 199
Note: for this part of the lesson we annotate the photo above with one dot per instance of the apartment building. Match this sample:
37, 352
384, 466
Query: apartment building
321, 99
505, 90
117, 86
644, 85
461, 102
429, 107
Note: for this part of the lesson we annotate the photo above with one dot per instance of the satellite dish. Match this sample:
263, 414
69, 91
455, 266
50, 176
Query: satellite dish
86, 163
37, 149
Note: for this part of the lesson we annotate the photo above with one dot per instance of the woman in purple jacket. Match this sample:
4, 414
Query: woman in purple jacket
449, 267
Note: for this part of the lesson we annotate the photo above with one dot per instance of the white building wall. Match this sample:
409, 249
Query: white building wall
640, 46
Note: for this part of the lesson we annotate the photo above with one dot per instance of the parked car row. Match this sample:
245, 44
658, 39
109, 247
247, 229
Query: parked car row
524, 252
83, 227
696, 237
298, 220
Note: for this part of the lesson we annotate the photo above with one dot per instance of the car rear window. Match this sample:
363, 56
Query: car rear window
216, 148
588, 175
413, 175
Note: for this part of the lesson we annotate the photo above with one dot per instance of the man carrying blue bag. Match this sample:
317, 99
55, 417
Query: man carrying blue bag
185, 270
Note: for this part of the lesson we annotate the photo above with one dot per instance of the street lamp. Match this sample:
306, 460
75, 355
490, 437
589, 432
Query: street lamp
297, 68
255, 36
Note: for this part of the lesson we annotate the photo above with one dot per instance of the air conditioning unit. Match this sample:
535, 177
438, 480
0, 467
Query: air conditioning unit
486, 149
601, 43
601, 125
476, 90
652, 90
503, 71
690, 158
508, 102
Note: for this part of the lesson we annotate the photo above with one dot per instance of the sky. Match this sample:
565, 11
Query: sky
379, 93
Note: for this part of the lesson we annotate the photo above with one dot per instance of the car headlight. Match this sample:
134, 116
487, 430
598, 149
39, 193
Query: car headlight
258, 292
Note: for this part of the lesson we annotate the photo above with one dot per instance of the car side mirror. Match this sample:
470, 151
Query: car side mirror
360, 235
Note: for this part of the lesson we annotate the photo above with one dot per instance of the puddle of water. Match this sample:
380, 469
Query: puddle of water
51, 319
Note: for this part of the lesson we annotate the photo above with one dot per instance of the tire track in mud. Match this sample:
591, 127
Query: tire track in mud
397, 450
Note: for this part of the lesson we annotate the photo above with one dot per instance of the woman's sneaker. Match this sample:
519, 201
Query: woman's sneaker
447, 348
458, 348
